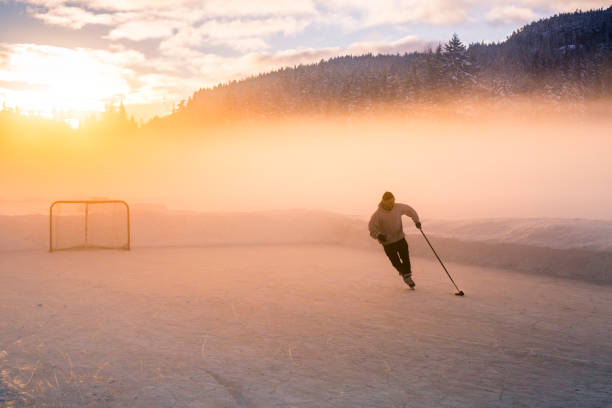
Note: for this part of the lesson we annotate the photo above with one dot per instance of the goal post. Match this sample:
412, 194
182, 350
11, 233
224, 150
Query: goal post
89, 224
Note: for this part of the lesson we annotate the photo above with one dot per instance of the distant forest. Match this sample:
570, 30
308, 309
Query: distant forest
564, 58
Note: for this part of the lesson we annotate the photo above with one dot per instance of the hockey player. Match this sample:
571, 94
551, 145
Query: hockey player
386, 226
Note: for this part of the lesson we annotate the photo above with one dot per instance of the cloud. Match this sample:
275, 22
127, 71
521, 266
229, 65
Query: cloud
289, 58
510, 15
156, 19
22, 86
138, 30
524, 11
566, 5
140, 19
72, 17
248, 35
211, 8
241, 25
240, 28
81, 13
43, 77
237, 34
249, 8
397, 12
110, 5
4, 59
407, 44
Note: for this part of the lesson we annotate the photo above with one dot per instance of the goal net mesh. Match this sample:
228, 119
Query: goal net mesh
81, 225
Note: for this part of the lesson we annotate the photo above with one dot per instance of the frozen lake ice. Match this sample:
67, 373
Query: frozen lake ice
293, 326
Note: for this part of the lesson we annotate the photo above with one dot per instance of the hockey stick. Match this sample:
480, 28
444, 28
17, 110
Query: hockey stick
459, 292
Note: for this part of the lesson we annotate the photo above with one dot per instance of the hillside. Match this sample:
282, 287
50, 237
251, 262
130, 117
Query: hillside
567, 57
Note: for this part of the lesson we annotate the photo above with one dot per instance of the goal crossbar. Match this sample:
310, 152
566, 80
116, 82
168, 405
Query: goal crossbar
86, 203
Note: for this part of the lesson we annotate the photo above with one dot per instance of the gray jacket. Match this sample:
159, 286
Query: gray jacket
389, 223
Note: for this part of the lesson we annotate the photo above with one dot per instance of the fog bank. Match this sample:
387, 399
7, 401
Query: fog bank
447, 168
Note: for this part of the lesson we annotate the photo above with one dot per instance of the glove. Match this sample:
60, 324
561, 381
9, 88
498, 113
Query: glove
381, 238
418, 225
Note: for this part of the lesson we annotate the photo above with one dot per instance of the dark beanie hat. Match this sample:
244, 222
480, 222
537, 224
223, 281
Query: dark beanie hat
388, 195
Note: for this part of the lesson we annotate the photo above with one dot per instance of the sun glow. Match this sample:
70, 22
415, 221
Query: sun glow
51, 79
73, 122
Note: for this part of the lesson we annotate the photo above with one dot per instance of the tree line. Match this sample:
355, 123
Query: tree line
567, 57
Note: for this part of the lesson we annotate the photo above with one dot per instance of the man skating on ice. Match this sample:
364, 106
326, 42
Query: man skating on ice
386, 226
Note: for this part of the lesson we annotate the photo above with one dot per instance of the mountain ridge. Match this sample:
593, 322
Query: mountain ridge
566, 57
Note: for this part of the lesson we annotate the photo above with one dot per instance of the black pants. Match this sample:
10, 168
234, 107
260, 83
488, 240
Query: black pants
399, 257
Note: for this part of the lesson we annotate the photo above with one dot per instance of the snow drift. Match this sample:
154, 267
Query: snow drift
580, 249
594, 235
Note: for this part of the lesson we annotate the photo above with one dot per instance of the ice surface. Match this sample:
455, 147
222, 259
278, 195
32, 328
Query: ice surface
293, 325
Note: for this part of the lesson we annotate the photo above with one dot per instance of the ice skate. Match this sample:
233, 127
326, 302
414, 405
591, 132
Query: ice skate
409, 281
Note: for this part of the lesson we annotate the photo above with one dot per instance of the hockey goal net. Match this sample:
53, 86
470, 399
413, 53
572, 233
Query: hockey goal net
89, 224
